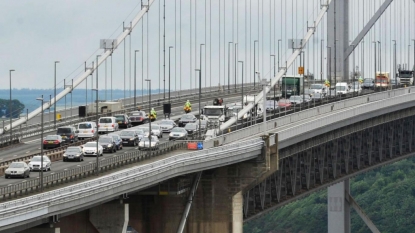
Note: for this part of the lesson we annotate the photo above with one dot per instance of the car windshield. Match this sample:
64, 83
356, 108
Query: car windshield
187, 117
190, 126
316, 86
52, 137
140, 132
16, 165
73, 150
166, 123
153, 139
137, 114
316, 95
341, 88
90, 144
156, 127
38, 158
295, 97
105, 140
127, 133
177, 130
85, 126
368, 81
119, 118
213, 111
64, 130
144, 130
105, 120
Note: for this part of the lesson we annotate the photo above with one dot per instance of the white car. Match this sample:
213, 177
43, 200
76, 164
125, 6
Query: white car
167, 125
36, 165
87, 130
107, 124
90, 149
178, 133
17, 169
145, 143
156, 130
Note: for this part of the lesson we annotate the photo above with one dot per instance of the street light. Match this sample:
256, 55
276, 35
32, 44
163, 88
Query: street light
259, 80
242, 85
279, 40
374, 88
329, 67
254, 60
135, 78
149, 110
271, 81
41, 144
229, 65
200, 80
236, 58
96, 112
394, 61
54, 105
354, 73
170, 47
10, 107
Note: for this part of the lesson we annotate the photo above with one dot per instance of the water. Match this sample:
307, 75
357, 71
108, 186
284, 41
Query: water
28, 97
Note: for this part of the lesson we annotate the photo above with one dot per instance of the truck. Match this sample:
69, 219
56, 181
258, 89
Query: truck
382, 80
214, 114
257, 108
291, 85
406, 77
105, 107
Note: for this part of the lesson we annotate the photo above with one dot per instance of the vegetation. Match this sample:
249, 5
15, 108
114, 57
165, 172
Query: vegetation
387, 195
17, 108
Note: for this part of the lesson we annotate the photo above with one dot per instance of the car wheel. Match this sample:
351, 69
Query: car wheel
6, 177
50, 168
28, 175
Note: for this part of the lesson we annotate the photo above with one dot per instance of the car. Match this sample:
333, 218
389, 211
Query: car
307, 98
270, 106
167, 125
368, 83
187, 118
317, 97
203, 124
138, 117
145, 130
73, 153
129, 137
52, 141
394, 81
90, 149
117, 140
140, 133
69, 134
317, 88
35, 163
107, 124
284, 104
87, 130
17, 169
145, 143
123, 121
178, 133
296, 100
156, 130
356, 87
192, 128
107, 143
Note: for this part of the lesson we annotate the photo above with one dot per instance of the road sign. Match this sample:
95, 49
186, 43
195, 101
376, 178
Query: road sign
300, 70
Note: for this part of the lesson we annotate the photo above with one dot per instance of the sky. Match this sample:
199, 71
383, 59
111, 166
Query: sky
34, 34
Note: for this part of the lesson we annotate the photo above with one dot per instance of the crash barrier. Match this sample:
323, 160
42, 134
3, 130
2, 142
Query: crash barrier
86, 170
25, 131
103, 188
309, 113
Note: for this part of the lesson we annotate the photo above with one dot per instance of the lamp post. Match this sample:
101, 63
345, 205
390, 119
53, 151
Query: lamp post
264, 97
329, 67
354, 73
374, 88
10, 108
259, 80
54, 105
41, 144
229, 66
394, 61
254, 60
96, 112
408, 55
149, 110
236, 58
242, 84
413, 67
170, 47
271, 81
279, 40
200, 89
135, 78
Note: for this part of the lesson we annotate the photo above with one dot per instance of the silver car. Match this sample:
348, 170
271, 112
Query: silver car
145, 143
35, 163
156, 130
17, 169
167, 125
178, 133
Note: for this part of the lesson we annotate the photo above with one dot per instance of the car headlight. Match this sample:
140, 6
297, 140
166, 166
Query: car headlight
131, 139
7, 172
109, 145
64, 155
141, 144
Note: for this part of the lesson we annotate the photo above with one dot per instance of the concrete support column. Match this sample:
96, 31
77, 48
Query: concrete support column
110, 217
338, 208
237, 213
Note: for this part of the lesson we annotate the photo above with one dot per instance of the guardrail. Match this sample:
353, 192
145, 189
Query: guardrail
86, 170
97, 190
305, 114
34, 129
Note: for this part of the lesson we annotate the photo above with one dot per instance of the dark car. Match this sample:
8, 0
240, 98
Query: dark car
107, 143
117, 140
192, 128
129, 137
187, 118
368, 83
123, 121
68, 133
138, 117
52, 141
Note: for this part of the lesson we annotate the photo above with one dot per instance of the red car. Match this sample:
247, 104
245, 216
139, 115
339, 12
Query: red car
284, 104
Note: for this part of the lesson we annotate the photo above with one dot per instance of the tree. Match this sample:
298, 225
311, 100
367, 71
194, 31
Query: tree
17, 108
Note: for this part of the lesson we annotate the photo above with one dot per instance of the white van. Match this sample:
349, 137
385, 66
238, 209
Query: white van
342, 88
107, 124
87, 129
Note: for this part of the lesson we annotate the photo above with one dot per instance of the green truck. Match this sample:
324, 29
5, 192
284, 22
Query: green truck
291, 85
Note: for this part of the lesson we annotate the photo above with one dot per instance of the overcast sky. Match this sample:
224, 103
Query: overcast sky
36, 33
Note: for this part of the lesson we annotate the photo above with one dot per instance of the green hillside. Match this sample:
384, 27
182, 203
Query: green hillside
386, 194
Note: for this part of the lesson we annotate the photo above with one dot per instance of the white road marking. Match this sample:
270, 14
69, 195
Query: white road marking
14, 155
52, 173
27, 152
65, 169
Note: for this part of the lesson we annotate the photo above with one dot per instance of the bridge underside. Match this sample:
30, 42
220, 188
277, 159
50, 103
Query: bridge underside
327, 159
